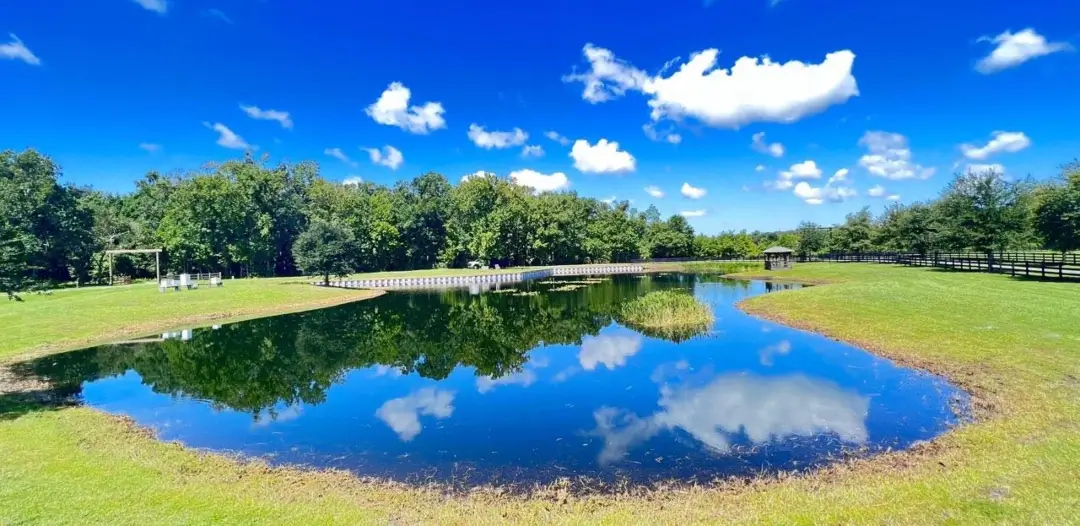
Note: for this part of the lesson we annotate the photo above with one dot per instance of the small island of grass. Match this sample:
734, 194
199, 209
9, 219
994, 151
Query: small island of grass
671, 314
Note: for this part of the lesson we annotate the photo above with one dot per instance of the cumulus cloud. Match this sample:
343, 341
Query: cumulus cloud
759, 145
403, 414
692, 213
889, 156
753, 90
654, 191
553, 135
392, 109
157, 6
150, 147
839, 176
282, 117
16, 50
389, 157
759, 168
786, 178
228, 139
876, 191
692, 192
540, 182
352, 180
532, 150
1013, 49
496, 139
1002, 141
817, 195
611, 351
764, 409
336, 153
984, 168
603, 157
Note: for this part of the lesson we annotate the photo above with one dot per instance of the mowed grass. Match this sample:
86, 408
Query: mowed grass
77, 317
1015, 344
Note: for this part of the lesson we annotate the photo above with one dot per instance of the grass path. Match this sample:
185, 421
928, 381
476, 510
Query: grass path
1016, 344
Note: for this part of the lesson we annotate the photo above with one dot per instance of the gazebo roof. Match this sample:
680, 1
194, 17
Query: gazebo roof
779, 250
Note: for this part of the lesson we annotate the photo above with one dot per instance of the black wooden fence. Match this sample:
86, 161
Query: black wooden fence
1034, 264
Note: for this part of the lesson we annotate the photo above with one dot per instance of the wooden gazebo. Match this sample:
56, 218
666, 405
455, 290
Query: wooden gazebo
779, 258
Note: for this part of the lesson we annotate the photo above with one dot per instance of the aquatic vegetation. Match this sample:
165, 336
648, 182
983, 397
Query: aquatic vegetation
672, 314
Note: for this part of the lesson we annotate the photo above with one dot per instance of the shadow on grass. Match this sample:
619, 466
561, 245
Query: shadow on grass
22, 393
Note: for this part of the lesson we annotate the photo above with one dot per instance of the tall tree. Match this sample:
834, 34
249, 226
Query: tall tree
813, 239
856, 234
325, 249
1057, 214
983, 212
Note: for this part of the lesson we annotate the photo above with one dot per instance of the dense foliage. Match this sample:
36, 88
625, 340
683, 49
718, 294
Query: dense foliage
244, 218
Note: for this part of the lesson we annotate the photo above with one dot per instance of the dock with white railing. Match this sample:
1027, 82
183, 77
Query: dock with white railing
434, 282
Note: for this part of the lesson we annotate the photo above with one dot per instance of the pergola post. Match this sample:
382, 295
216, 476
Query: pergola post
157, 265
155, 251
110, 269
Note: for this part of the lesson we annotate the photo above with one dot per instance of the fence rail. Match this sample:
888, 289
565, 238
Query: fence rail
1032, 264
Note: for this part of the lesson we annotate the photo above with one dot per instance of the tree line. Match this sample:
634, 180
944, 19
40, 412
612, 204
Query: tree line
248, 218
978, 211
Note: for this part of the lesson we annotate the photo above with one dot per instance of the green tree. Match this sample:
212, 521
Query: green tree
856, 234
1057, 214
983, 212
813, 239
325, 249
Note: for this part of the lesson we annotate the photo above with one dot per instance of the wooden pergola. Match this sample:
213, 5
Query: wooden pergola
155, 251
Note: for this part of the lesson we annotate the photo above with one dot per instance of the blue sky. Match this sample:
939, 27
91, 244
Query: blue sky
899, 94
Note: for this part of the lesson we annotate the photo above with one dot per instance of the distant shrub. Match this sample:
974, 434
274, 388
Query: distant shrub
669, 314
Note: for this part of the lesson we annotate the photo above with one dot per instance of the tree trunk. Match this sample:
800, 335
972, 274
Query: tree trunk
326, 279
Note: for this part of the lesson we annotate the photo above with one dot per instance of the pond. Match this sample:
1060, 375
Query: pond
516, 387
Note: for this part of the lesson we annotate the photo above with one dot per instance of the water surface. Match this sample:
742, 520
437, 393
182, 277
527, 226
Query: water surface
493, 387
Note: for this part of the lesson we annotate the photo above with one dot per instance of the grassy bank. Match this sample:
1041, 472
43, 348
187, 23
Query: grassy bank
1014, 343
667, 313
72, 318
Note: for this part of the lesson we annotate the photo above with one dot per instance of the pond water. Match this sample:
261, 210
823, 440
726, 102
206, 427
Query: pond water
520, 387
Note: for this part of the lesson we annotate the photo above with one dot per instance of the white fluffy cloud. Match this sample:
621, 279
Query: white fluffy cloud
692, 213
839, 176
352, 180
753, 90
540, 182
228, 139
692, 192
654, 191
523, 378
532, 150
157, 6
16, 50
392, 109
983, 168
876, 191
496, 139
1002, 141
889, 156
786, 179
759, 145
150, 147
403, 414
1013, 49
336, 153
604, 157
554, 135
607, 350
389, 156
759, 168
818, 195
282, 117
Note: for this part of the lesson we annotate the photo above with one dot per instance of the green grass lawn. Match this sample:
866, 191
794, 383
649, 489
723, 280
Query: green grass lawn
76, 317
1015, 344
